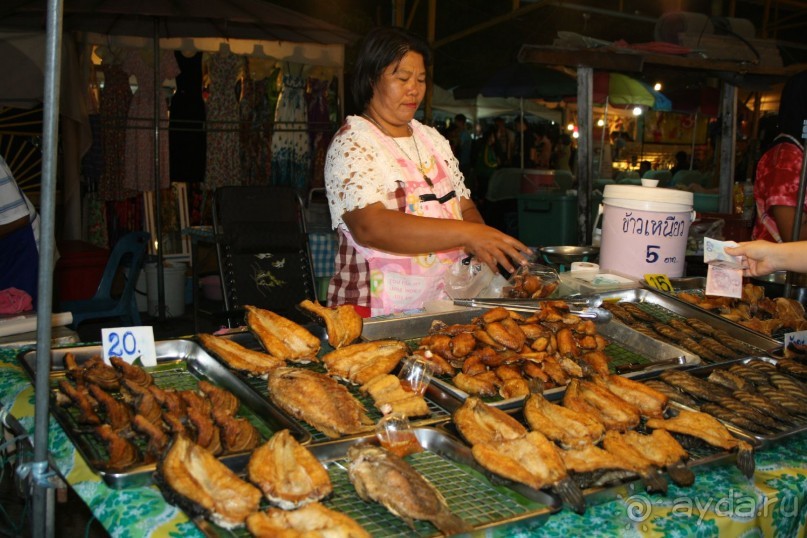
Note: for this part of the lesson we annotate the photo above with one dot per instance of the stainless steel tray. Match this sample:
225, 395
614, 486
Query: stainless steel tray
705, 370
664, 306
626, 346
449, 465
441, 404
180, 364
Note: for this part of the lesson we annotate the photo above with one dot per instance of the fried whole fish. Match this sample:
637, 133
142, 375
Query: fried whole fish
608, 408
200, 484
594, 467
672, 393
240, 358
649, 401
478, 422
282, 337
571, 428
665, 452
712, 431
383, 477
288, 473
342, 323
359, 363
311, 521
618, 444
319, 400
531, 459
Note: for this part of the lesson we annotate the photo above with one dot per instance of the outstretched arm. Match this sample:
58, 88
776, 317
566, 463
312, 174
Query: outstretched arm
765, 257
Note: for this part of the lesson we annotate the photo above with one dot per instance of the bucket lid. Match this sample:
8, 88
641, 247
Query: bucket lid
648, 194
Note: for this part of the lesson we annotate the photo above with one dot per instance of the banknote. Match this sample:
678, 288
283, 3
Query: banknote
724, 281
714, 253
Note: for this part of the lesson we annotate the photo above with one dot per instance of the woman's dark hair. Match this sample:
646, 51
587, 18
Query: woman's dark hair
793, 105
382, 46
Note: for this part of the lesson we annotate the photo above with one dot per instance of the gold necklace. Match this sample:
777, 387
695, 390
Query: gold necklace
418, 163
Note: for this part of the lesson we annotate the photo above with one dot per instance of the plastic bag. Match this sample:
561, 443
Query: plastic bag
466, 278
532, 281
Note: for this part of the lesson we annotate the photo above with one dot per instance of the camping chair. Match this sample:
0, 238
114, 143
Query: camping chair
262, 248
129, 253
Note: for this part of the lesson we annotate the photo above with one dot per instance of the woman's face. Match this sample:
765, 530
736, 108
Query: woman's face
398, 93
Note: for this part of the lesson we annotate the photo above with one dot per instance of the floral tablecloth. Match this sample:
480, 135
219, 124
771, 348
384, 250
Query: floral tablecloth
722, 502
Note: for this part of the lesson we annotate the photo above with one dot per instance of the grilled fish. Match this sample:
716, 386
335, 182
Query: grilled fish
530, 459
793, 403
767, 423
649, 401
122, 453
157, 437
359, 363
236, 434
221, 400
133, 373
289, 475
621, 446
200, 484
566, 426
383, 477
118, 415
81, 399
319, 400
730, 416
709, 429
478, 422
753, 375
730, 380
699, 388
342, 323
671, 393
282, 337
766, 406
240, 358
311, 521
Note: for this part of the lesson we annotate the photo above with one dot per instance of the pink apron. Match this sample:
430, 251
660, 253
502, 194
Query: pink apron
399, 283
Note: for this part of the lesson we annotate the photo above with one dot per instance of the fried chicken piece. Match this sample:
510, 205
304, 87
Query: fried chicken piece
359, 363
462, 344
712, 431
282, 337
478, 422
475, 385
342, 323
569, 427
649, 401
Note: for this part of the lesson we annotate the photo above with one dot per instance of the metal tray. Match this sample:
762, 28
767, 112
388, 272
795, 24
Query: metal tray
704, 371
449, 465
664, 306
441, 404
626, 346
180, 364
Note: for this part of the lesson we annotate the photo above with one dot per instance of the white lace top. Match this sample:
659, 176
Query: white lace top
360, 172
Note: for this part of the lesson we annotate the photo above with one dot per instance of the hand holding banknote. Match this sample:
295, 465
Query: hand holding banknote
765, 257
725, 274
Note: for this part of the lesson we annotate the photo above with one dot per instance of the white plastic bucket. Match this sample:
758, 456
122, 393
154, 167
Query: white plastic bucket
174, 287
644, 230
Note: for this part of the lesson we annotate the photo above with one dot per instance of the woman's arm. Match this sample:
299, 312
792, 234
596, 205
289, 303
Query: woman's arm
784, 217
765, 257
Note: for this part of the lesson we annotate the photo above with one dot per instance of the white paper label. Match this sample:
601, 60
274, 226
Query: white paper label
131, 344
798, 337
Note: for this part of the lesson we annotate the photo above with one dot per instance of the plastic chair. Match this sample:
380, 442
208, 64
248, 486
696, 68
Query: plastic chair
263, 250
130, 253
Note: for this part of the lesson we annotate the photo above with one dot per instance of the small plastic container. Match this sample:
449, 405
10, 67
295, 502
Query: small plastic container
395, 434
416, 374
532, 281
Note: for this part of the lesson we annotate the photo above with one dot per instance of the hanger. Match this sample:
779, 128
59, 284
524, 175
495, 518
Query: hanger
188, 47
224, 49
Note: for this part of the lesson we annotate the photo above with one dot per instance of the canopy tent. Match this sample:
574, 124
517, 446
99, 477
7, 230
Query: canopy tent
223, 19
489, 107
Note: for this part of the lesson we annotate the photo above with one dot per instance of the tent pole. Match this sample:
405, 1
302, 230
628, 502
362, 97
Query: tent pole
602, 137
42, 513
694, 134
585, 92
157, 198
521, 111
796, 232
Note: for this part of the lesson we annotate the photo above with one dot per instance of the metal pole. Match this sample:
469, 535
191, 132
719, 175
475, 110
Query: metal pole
694, 134
796, 234
42, 513
585, 96
602, 137
728, 141
522, 129
157, 198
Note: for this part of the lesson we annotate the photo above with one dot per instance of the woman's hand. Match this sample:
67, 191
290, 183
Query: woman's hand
765, 257
493, 248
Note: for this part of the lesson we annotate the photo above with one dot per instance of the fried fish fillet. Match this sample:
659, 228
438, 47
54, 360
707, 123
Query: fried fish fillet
478, 423
288, 473
359, 363
387, 479
649, 401
664, 451
238, 357
530, 459
311, 521
201, 485
342, 323
621, 446
569, 427
319, 400
594, 399
709, 429
389, 397
282, 337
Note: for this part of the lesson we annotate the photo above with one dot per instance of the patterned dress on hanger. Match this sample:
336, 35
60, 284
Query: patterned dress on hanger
248, 139
113, 108
223, 167
187, 140
140, 139
319, 128
291, 154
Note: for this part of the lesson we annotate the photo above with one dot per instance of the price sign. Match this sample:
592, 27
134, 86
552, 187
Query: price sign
659, 282
131, 344
797, 338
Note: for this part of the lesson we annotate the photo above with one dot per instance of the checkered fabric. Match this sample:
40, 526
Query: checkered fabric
323, 253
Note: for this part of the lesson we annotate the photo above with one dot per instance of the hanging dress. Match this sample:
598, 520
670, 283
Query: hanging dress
248, 138
319, 127
113, 109
223, 167
140, 128
291, 154
187, 141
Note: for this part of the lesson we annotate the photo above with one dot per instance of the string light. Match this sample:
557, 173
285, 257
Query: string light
637, 111
657, 86
570, 127
600, 122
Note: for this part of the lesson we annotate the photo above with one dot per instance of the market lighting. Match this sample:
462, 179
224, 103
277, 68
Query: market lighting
575, 135
600, 122
657, 86
637, 111
570, 127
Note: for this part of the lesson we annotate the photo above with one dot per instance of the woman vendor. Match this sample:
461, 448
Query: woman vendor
398, 201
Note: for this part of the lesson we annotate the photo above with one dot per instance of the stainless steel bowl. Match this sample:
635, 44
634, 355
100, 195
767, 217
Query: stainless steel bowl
566, 255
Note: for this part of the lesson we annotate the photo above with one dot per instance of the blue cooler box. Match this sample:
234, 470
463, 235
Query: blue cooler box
546, 219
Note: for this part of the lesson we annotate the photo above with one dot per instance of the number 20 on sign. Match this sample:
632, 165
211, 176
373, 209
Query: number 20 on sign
659, 282
130, 344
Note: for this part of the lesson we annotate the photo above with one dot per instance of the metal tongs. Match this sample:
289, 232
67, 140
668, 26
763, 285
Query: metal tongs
585, 306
